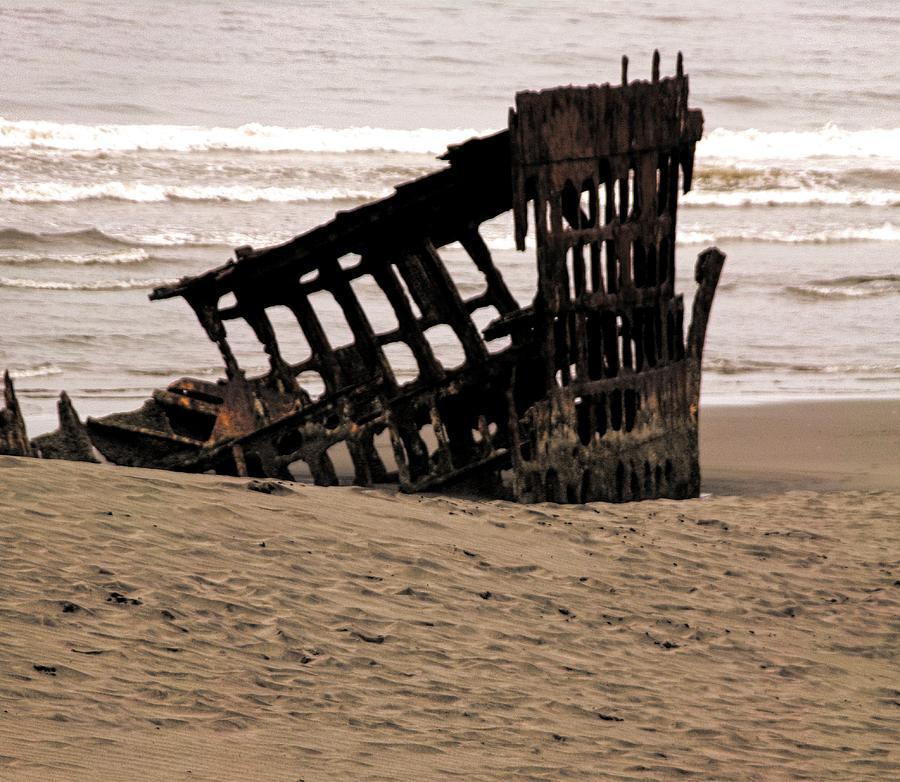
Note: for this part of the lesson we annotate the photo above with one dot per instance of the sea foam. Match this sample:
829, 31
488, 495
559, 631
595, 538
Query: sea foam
19, 244
800, 196
45, 369
829, 141
883, 233
142, 192
252, 137
853, 287
132, 256
95, 285
751, 144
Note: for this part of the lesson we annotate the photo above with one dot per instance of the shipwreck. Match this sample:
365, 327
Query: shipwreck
588, 392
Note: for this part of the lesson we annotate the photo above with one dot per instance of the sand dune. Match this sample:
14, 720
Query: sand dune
158, 626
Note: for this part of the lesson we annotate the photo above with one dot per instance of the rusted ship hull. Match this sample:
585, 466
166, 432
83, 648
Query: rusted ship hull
589, 392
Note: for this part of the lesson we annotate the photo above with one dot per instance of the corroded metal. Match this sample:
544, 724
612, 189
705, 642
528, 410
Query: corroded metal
601, 168
588, 392
70, 441
13, 437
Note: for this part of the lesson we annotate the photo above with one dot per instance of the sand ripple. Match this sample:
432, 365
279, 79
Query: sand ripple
155, 626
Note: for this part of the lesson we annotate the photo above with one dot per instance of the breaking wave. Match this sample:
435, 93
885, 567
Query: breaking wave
805, 174
800, 196
38, 370
829, 141
141, 192
37, 244
14, 238
854, 287
176, 371
144, 192
695, 234
252, 137
209, 239
884, 233
135, 255
96, 285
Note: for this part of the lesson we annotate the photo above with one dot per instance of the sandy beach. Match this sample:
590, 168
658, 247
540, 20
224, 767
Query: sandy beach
166, 627
160, 626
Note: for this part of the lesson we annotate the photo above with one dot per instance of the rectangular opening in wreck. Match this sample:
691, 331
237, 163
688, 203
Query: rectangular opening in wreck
350, 263
482, 318
312, 382
379, 312
244, 344
446, 346
402, 361
332, 318
292, 344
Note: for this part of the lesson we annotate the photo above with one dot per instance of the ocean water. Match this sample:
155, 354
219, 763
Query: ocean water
140, 142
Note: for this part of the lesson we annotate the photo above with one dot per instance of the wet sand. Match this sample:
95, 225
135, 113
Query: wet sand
160, 626
826, 446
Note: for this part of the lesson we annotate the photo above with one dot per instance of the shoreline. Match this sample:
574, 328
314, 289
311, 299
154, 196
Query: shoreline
762, 447
827, 445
